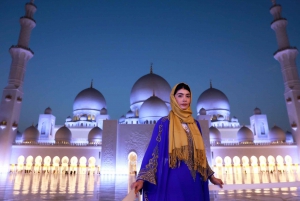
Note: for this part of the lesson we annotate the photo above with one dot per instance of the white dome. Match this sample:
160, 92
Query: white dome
63, 134
31, 134
144, 87
122, 119
202, 111
95, 135
130, 114
276, 134
257, 111
153, 107
89, 99
214, 134
48, 110
213, 99
234, 119
244, 134
103, 111
68, 119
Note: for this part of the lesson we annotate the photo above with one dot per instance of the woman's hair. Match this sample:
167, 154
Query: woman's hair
182, 86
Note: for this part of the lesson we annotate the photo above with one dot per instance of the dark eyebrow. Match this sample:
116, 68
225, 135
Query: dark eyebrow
188, 94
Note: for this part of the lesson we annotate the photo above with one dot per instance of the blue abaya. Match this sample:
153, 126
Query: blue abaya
162, 183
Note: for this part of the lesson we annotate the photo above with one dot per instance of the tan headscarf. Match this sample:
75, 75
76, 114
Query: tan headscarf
178, 142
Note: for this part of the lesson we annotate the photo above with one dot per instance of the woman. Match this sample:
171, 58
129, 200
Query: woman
174, 166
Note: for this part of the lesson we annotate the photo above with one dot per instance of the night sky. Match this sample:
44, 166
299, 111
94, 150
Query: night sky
113, 42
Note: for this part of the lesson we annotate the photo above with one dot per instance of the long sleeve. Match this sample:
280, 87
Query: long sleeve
153, 154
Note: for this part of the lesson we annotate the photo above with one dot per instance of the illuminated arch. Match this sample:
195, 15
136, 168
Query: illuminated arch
253, 160
73, 165
271, 159
37, 164
236, 161
219, 161
245, 161
20, 166
132, 162
279, 159
227, 161
92, 162
288, 159
82, 165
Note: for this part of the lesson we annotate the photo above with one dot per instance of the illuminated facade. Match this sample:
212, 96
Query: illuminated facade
90, 141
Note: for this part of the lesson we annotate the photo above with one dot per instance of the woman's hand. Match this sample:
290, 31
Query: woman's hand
216, 181
138, 185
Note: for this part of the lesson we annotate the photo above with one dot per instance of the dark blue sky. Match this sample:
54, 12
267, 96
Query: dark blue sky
114, 42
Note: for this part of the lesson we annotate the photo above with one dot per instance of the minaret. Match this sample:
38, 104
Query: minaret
12, 96
286, 55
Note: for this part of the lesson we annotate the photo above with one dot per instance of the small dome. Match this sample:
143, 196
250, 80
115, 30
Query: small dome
221, 118
31, 134
234, 119
83, 118
153, 107
213, 99
48, 110
122, 119
245, 135
103, 111
68, 119
63, 134
95, 135
276, 134
214, 134
144, 87
202, 111
256, 111
89, 99
130, 114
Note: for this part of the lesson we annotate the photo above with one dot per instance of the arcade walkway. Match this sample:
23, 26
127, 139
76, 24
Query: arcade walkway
36, 187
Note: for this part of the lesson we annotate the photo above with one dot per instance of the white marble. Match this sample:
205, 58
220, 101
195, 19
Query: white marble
43, 186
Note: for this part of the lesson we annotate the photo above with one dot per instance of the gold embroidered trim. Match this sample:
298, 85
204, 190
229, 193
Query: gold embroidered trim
149, 173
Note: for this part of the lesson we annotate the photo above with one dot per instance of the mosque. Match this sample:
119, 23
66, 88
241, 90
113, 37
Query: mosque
89, 141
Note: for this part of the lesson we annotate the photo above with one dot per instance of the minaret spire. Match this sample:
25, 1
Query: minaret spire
286, 56
210, 84
151, 69
92, 83
10, 106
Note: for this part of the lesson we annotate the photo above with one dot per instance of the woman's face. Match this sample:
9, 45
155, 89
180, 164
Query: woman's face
183, 98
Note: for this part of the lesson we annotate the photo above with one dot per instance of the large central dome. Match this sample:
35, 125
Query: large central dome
213, 99
144, 88
89, 99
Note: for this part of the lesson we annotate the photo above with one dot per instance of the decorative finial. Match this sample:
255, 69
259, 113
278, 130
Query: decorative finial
31, 1
153, 92
151, 69
274, 2
92, 83
210, 84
